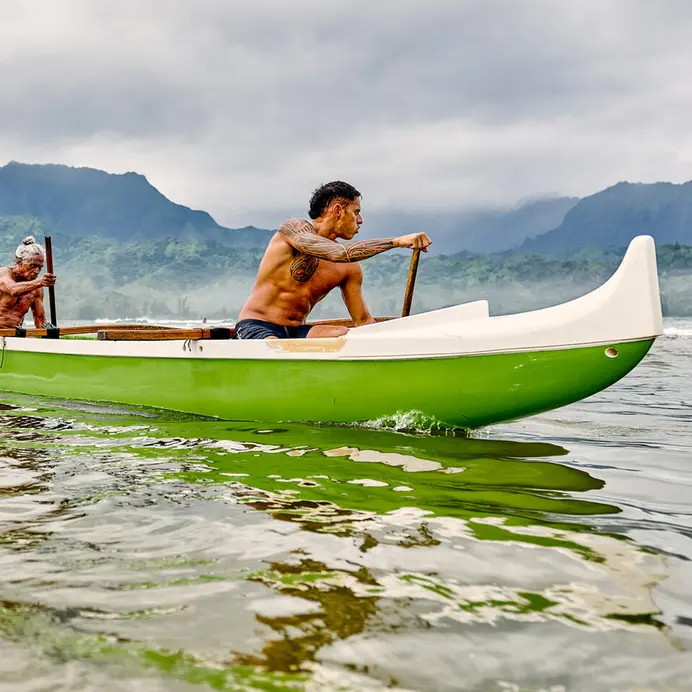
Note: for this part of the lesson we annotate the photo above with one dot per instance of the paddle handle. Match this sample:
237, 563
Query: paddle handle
410, 284
51, 289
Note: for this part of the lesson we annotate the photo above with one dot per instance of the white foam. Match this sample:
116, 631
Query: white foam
678, 332
400, 421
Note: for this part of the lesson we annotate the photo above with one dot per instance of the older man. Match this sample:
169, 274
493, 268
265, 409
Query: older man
304, 261
20, 287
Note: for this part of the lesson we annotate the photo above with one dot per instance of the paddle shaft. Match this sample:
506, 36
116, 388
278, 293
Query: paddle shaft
410, 284
84, 329
165, 334
51, 289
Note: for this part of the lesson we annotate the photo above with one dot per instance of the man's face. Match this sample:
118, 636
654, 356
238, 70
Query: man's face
348, 219
30, 269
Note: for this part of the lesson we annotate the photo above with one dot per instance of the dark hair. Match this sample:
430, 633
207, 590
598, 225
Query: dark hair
325, 194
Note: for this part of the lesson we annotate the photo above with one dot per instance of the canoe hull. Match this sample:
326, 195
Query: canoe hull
467, 391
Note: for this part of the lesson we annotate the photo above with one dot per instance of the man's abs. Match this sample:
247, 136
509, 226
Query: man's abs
277, 306
280, 299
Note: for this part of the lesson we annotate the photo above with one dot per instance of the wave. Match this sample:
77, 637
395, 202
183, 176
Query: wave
413, 422
678, 332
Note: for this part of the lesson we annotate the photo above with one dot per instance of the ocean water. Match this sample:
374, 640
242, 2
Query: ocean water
142, 550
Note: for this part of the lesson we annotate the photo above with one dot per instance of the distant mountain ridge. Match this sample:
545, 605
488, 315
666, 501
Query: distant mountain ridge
612, 217
508, 229
84, 202
472, 230
126, 207
81, 202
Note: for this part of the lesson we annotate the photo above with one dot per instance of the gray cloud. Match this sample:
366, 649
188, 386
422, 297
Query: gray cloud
242, 108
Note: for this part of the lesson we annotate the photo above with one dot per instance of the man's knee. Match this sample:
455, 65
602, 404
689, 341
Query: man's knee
325, 331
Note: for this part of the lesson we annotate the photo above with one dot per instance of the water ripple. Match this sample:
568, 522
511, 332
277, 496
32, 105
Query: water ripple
142, 549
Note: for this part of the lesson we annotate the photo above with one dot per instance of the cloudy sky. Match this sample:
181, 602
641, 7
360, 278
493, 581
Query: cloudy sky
242, 107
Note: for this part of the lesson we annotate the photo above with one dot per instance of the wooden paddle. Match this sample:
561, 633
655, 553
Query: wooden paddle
83, 329
410, 284
165, 334
51, 289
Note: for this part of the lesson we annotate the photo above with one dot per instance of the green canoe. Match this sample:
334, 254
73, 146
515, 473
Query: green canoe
457, 365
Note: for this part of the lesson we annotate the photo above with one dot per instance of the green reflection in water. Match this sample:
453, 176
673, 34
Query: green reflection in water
330, 479
321, 475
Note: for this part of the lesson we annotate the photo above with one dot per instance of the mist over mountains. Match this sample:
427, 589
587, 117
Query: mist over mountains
79, 202
122, 249
478, 231
612, 217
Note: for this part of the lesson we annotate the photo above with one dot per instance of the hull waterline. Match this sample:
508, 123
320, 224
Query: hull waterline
464, 391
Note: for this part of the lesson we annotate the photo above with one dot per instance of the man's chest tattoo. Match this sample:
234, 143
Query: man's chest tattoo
303, 267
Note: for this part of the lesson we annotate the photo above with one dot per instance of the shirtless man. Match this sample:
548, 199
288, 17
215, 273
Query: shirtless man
20, 289
303, 262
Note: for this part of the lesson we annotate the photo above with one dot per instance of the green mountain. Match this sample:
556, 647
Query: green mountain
122, 250
612, 217
166, 278
78, 202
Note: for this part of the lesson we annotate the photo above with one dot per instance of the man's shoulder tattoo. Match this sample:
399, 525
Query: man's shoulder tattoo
294, 227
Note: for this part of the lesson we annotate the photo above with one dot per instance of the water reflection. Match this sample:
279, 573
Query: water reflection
241, 557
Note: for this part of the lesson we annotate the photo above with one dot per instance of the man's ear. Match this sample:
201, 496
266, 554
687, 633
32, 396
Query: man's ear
337, 209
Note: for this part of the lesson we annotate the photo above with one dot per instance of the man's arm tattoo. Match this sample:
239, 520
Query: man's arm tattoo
303, 238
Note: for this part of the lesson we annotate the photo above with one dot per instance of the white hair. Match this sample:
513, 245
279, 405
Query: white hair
29, 248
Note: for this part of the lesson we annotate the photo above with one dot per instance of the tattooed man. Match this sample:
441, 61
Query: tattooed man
20, 287
304, 261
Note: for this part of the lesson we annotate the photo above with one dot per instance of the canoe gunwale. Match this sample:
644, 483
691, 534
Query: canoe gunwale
8, 344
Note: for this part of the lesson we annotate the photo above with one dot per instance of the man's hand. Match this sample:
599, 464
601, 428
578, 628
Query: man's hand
48, 279
416, 241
